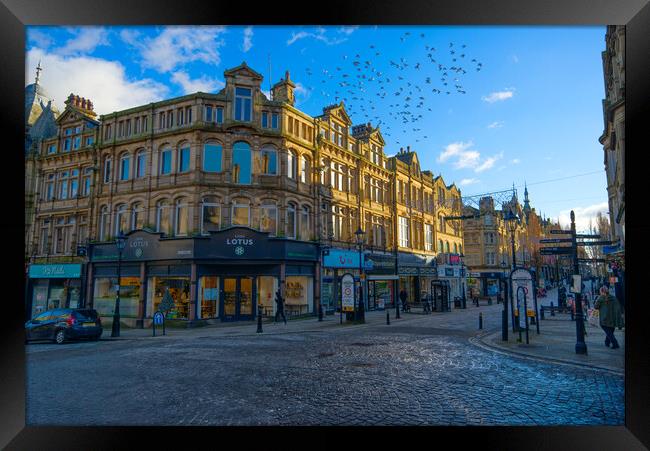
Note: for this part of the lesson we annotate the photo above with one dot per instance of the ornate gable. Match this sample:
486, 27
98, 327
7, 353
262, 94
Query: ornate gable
243, 71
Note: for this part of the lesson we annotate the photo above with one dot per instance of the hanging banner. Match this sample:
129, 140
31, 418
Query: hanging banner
347, 293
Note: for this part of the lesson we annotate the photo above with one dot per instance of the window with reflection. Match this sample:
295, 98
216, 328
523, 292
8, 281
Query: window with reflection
241, 160
291, 220
103, 223
304, 223
162, 217
125, 164
210, 215
165, 161
182, 218
243, 104
240, 214
212, 154
141, 164
304, 169
137, 216
269, 218
184, 158
121, 220
291, 165
269, 161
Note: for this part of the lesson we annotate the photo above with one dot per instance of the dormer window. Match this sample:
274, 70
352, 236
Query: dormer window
243, 104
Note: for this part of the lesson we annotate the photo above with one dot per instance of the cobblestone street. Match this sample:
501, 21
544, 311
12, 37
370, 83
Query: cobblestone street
420, 370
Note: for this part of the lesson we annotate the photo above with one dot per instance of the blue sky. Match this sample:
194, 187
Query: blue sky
531, 113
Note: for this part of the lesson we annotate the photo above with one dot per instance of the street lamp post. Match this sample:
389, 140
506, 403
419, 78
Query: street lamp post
360, 312
504, 313
512, 220
462, 279
120, 243
581, 346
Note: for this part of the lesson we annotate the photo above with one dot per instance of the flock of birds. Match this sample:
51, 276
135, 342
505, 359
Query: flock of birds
407, 86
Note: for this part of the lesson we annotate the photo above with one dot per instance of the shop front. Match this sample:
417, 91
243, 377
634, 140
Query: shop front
381, 277
51, 286
336, 263
224, 277
415, 276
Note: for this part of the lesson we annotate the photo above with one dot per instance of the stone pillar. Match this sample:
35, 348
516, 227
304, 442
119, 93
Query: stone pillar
283, 272
89, 286
193, 294
317, 289
139, 322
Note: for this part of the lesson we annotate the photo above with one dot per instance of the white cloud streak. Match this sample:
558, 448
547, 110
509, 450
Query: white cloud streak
176, 46
319, 35
84, 41
248, 39
471, 181
496, 124
583, 214
466, 157
499, 96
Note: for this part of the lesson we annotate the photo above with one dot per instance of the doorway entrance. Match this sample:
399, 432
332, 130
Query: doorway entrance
239, 298
440, 295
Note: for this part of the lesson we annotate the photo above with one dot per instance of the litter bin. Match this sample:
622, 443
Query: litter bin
456, 302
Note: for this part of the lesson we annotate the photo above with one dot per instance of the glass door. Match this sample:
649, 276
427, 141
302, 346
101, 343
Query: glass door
245, 298
229, 299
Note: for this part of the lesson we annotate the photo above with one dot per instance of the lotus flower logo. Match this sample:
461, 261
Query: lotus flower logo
239, 250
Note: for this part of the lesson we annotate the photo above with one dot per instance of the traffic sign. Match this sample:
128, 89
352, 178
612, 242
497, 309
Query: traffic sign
556, 250
587, 236
594, 243
562, 232
557, 240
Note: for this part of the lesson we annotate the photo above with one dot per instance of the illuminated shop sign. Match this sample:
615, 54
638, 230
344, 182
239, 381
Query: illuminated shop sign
64, 271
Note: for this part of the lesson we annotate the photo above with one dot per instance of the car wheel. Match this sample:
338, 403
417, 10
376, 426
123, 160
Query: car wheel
59, 337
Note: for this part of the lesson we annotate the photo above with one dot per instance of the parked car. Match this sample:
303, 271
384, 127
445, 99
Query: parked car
64, 324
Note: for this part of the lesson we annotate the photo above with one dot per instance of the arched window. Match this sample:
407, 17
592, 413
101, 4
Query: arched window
162, 217
241, 162
441, 220
440, 247
304, 169
305, 231
447, 247
165, 166
269, 161
137, 216
210, 215
212, 156
184, 157
240, 214
125, 166
460, 248
291, 220
121, 219
181, 218
108, 162
103, 223
269, 218
455, 248
324, 171
291, 165
141, 164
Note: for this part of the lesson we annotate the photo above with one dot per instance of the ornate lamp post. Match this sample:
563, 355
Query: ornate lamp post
463, 279
360, 312
504, 313
120, 242
513, 221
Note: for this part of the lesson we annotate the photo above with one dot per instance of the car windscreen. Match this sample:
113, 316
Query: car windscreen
86, 314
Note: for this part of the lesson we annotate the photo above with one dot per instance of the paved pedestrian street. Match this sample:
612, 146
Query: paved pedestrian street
420, 370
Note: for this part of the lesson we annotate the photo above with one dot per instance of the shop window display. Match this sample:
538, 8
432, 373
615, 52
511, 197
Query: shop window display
209, 297
266, 288
298, 295
179, 289
105, 295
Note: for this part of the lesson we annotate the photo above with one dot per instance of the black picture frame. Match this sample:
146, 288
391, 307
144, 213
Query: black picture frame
16, 14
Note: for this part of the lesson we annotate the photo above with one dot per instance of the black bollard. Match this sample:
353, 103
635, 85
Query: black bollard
552, 311
387, 318
259, 320
542, 312
532, 320
572, 317
480, 320
320, 312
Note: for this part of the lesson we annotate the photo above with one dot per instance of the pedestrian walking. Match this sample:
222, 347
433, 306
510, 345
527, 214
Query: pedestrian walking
426, 307
403, 296
610, 315
279, 302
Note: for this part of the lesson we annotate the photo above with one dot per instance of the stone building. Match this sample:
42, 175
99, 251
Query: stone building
226, 198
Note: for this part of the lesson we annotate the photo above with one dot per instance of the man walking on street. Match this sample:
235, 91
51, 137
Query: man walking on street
279, 302
610, 316
403, 296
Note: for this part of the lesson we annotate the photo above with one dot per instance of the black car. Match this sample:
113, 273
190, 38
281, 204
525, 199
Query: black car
63, 324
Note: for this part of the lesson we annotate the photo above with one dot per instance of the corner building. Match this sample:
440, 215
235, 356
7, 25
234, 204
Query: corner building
225, 198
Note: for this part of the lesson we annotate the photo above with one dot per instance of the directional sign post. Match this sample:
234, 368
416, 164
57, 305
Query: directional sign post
561, 232
556, 240
556, 250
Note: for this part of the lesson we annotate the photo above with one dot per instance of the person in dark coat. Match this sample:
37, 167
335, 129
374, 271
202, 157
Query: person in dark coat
279, 302
403, 296
610, 316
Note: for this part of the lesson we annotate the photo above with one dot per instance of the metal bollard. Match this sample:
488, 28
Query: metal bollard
320, 312
532, 320
552, 311
572, 317
542, 312
259, 320
387, 318
480, 320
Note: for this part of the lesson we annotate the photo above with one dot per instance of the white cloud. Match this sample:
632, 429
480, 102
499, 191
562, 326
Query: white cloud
84, 41
203, 84
496, 124
319, 35
583, 215
466, 157
348, 30
515, 161
103, 82
175, 46
302, 93
248, 39
515, 58
466, 182
499, 95
488, 163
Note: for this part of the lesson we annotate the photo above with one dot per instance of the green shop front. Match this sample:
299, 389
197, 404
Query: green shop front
225, 276
51, 286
